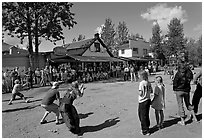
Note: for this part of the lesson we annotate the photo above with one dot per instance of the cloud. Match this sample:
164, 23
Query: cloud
162, 15
198, 29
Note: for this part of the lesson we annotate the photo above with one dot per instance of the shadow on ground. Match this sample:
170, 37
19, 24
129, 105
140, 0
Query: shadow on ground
107, 123
171, 122
18, 109
18, 98
83, 116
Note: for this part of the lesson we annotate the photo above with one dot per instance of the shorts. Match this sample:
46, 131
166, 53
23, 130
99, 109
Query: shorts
51, 108
17, 93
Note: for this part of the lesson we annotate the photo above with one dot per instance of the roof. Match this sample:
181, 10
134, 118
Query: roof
124, 46
5, 46
68, 58
79, 44
95, 59
84, 44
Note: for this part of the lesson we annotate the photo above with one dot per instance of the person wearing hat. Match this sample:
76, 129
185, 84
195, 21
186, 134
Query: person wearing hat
48, 103
16, 91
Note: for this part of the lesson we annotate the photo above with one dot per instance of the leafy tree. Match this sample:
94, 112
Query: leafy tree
191, 48
108, 34
135, 36
156, 42
199, 50
121, 33
37, 19
175, 42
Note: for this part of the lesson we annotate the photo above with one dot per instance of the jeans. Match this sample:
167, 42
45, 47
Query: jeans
196, 97
180, 96
143, 112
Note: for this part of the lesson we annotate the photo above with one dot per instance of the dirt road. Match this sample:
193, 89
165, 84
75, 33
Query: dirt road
107, 110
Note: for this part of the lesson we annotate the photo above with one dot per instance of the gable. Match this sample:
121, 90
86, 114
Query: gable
96, 49
79, 44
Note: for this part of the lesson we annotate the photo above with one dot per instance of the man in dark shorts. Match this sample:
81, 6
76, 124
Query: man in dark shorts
16, 91
48, 103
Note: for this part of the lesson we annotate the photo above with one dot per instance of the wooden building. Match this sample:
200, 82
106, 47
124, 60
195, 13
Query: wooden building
89, 54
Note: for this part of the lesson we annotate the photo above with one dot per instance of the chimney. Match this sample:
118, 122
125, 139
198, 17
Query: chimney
96, 36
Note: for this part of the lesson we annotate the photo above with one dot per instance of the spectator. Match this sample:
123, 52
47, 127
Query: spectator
197, 94
132, 73
126, 73
145, 89
181, 87
37, 76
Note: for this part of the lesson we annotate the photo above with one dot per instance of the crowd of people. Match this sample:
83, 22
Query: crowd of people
44, 76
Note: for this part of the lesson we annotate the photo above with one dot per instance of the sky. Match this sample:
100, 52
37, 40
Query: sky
138, 16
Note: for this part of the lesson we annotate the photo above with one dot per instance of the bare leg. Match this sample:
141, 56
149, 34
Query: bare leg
45, 115
157, 116
10, 102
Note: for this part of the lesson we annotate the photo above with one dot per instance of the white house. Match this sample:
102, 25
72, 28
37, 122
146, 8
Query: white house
134, 48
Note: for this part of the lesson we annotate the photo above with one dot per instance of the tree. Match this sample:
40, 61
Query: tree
156, 42
121, 33
37, 19
135, 36
191, 48
199, 50
175, 42
108, 34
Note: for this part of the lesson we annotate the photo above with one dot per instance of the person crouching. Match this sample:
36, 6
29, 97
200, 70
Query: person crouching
48, 103
67, 110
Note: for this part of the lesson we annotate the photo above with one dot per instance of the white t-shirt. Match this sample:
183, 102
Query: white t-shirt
146, 88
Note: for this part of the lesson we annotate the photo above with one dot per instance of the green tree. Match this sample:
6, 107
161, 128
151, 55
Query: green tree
33, 20
156, 43
192, 50
135, 36
121, 33
108, 34
199, 50
175, 42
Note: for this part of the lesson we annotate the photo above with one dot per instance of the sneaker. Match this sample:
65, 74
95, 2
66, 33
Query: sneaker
145, 133
43, 122
181, 123
27, 101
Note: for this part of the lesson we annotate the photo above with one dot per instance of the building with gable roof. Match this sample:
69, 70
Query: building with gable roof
90, 53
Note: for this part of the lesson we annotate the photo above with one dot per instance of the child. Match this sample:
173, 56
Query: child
145, 89
158, 102
17, 87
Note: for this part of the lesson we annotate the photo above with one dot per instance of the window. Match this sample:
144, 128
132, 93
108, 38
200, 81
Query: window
97, 46
122, 51
135, 50
145, 51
